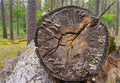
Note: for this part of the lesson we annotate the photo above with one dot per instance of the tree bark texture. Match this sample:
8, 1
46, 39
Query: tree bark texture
3, 20
65, 43
71, 2
24, 18
97, 2
28, 69
11, 25
117, 17
31, 19
61, 3
83, 3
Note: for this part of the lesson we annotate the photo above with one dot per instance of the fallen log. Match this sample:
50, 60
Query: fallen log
72, 45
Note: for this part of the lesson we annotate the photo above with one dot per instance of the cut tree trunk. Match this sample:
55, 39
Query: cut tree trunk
88, 51
71, 45
4, 33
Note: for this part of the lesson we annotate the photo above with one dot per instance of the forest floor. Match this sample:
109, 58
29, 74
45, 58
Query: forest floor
10, 49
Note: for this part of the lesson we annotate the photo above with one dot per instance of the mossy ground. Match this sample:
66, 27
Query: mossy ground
9, 49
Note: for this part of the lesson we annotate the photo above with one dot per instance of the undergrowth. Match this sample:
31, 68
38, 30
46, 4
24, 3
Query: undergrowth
9, 49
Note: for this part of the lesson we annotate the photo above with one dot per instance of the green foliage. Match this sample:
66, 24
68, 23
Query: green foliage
17, 12
112, 46
109, 17
38, 15
46, 6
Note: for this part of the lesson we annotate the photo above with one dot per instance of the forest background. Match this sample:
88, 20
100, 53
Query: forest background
15, 25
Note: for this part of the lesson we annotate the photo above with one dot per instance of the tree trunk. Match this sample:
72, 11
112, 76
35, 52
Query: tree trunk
17, 27
83, 3
40, 5
89, 5
16, 2
51, 5
11, 25
0, 10
24, 18
97, 7
117, 17
71, 2
77, 2
61, 3
31, 19
66, 2
3, 20
65, 49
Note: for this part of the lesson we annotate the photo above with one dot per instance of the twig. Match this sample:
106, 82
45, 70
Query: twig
106, 9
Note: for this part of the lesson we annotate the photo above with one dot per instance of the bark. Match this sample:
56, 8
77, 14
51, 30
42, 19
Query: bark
40, 5
28, 69
24, 18
66, 2
97, 2
16, 2
52, 4
83, 3
103, 5
3, 20
61, 3
0, 10
11, 26
71, 2
89, 5
31, 19
17, 23
117, 17
77, 2
17, 20
63, 45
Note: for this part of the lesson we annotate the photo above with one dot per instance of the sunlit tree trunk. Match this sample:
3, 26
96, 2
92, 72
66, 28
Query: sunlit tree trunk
31, 19
0, 10
66, 2
61, 3
83, 3
71, 2
17, 20
3, 20
11, 23
24, 18
52, 4
97, 2
40, 5
89, 4
117, 17
77, 2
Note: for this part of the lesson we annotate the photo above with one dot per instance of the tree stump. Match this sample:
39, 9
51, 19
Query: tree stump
67, 47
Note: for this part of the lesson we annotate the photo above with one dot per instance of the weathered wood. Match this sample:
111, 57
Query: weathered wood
71, 45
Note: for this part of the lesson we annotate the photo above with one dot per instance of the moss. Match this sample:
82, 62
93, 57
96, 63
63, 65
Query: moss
9, 49
112, 46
